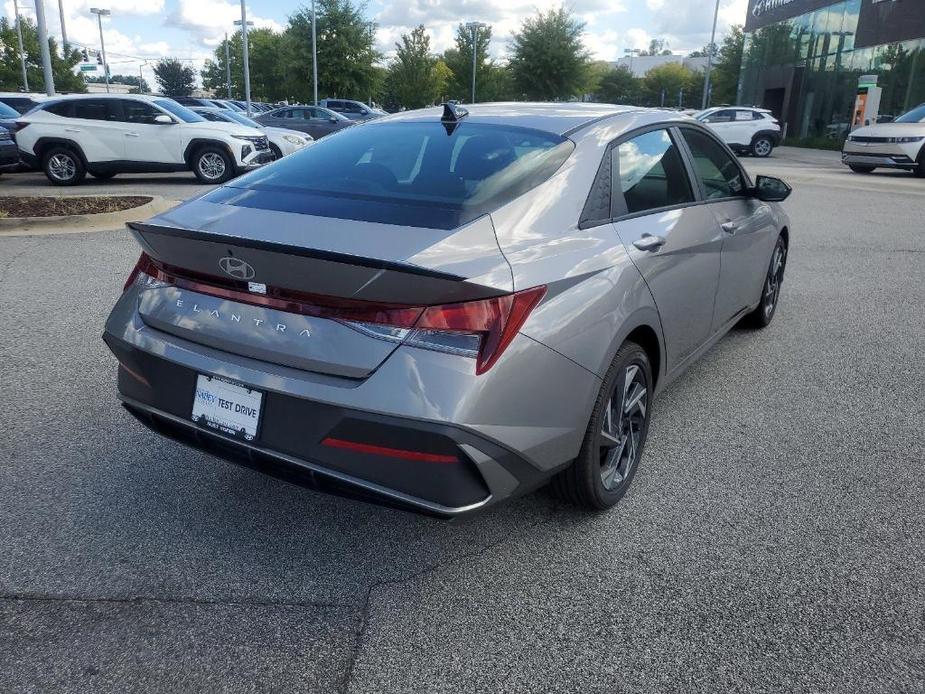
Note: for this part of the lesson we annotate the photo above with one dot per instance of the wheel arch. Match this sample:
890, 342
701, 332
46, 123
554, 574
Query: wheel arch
772, 135
44, 143
198, 143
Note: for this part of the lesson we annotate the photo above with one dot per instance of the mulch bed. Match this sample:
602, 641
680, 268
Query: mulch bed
57, 207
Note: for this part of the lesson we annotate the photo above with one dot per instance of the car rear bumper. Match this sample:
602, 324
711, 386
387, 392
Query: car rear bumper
294, 443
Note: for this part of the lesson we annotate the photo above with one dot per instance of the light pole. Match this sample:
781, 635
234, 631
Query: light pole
227, 65
372, 27
314, 54
712, 47
474, 28
63, 29
99, 20
42, 32
141, 79
22, 53
247, 65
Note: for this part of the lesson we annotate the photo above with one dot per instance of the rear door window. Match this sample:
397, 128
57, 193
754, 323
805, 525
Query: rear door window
96, 109
414, 174
651, 173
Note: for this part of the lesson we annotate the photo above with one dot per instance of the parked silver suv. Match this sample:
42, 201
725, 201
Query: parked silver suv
443, 309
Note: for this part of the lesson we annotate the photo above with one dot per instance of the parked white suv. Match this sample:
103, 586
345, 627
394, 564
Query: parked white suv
896, 145
744, 129
105, 135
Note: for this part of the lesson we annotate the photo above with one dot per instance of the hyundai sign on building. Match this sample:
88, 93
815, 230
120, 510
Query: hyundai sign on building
805, 59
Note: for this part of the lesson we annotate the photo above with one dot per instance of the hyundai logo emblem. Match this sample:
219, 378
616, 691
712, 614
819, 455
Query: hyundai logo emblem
239, 269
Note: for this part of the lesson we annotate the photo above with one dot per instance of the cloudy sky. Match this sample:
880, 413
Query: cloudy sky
190, 29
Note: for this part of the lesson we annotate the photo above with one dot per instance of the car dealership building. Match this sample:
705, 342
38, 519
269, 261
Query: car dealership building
805, 59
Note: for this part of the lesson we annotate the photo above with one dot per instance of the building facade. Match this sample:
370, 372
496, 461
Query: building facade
803, 59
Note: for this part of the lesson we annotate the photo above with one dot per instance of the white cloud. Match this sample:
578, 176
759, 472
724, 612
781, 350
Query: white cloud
208, 20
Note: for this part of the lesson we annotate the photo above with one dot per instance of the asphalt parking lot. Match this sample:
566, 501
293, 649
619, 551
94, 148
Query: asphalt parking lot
773, 540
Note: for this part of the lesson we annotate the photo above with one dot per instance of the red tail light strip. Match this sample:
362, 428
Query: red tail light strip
496, 320
419, 456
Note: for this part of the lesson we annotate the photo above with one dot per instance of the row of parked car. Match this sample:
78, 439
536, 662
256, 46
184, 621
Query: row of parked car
103, 135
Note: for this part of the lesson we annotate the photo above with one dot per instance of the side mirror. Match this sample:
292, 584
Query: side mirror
163, 119
332, 119
885, 119
770, 189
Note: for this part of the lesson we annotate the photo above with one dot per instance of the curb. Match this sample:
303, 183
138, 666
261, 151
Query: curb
82, 223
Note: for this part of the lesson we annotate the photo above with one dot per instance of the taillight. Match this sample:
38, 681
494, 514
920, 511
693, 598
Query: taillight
481, 329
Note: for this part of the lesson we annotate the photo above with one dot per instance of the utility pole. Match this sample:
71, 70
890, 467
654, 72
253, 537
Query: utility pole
706, 78
247, 66
64, 48
141, 79
314, 53
227, 65
474, 28
43, 45
99, 20
22, 53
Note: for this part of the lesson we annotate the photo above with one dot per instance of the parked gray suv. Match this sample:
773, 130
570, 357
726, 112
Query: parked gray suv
440, 310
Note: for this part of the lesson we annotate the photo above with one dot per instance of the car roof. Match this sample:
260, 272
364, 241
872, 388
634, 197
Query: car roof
559, 119
135, 97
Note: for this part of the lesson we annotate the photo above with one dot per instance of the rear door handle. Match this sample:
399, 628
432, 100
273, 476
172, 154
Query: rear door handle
72, 130
132, 135
730, 227
648, 242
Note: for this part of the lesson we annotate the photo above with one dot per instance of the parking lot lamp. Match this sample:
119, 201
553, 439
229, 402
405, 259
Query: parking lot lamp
99, 20
711, 48
314, 54
227, 65
43, 45
22, 53
247, 66
474, 28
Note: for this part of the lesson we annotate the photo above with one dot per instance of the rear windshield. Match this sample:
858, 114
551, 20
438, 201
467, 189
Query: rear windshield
414, 174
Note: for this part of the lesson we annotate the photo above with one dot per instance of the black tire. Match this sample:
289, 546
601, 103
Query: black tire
206, 161
762, 316
103, 176
582, 483
762, 146
63, 166
920, 167
277, 152
857, 168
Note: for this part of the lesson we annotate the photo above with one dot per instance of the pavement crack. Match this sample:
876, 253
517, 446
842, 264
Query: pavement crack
142, 599
364, 612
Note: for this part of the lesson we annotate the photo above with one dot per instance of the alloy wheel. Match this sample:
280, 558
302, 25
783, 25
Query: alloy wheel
62, 167
622, 427
773, 282
763, 147
212, 165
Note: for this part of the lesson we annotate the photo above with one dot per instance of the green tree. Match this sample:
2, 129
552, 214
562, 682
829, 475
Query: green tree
489, 76
724, 78
548, 58
619, 86
264, 48
62, 68
657, 47
174, 78
346, 52
416, 78
665, 83
140, 85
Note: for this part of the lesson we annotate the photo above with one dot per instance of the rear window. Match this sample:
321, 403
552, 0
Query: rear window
413, 174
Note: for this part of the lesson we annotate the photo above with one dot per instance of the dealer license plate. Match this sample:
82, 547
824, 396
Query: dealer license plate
229, 407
